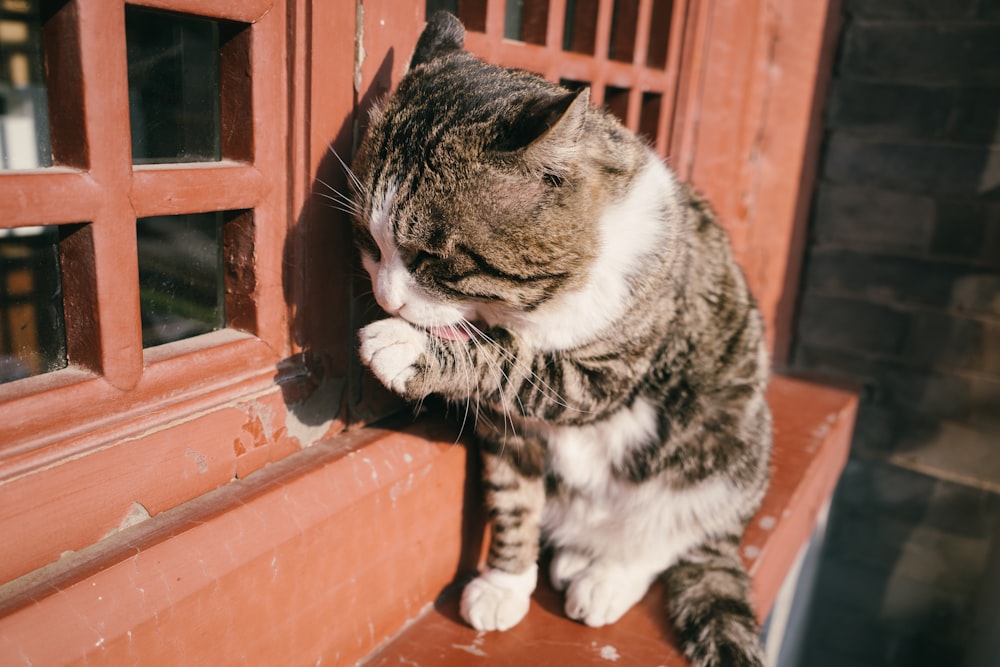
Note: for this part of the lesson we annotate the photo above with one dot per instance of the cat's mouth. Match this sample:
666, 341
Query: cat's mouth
459, 333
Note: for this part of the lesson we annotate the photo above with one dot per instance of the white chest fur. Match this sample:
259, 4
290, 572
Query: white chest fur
605, 516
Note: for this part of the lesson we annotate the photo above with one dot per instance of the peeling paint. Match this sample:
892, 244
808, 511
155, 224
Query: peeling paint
311, 419
359, 45
475, 648
199, 460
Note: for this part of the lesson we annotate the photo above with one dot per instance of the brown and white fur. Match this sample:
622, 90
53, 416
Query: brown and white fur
541, 266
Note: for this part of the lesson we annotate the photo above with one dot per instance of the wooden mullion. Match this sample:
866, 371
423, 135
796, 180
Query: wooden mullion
47, 197
104, 71
243, 11
195, 187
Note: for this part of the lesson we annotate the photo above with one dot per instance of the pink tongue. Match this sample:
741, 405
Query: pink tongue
449, 333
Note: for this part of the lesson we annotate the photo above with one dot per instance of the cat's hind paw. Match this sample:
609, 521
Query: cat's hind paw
392, 348
602, 594
498, 600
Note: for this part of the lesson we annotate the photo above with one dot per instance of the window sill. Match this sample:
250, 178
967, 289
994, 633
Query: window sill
331, 551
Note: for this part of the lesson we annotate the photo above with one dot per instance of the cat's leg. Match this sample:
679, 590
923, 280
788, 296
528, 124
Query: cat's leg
709, 601
605, 589
499, 598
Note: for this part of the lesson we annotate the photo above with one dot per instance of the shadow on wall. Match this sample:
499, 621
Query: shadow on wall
315, 382
901, 293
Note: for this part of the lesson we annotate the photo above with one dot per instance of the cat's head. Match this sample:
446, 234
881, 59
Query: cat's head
473, 200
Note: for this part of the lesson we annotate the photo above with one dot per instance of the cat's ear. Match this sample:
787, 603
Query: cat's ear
550, 131
444, 34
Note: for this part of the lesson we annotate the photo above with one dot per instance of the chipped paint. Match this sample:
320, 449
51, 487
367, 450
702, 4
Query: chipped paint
310, 420
137, 514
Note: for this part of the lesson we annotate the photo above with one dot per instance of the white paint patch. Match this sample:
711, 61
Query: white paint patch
610, 653
751, 552
768, 522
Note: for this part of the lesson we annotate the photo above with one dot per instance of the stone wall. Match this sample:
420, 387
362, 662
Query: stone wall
901, 294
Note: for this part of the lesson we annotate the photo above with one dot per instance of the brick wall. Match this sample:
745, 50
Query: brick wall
901, 293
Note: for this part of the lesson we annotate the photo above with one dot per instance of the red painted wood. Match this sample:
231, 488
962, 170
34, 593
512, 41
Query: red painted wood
321, 556
747, 135
327, 553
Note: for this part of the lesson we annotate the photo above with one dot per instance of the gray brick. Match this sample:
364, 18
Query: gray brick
917, 9
922, 51
960, 228
901, 280
977, 292
945, 341
931, 394
985, 401
923, 168
882, 489
859, 215
991, 238
850, 324
892, 110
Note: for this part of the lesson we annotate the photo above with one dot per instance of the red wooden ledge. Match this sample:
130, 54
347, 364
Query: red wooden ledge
323, 556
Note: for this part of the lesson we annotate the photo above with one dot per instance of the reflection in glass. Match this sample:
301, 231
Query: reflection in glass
24, 121
173, 81
32, 330
180, 276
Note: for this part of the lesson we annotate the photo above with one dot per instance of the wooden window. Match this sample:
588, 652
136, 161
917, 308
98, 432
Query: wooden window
150, 260
627, 51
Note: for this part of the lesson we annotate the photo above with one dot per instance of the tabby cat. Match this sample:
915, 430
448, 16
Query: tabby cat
543, 268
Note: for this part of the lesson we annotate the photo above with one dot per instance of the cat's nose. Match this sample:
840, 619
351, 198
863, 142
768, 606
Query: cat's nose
392, 306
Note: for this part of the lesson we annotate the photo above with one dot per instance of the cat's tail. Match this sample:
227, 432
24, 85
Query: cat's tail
709, 603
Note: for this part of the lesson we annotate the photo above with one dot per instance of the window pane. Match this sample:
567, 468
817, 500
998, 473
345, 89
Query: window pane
180, 276
173, 78
24, 123
32, 331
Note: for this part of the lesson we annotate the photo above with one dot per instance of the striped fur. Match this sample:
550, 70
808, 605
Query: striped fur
543, 268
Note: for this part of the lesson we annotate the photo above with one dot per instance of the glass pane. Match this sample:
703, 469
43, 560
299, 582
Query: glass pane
173, 81
526, 21
24, 121
624, 17
580, 27
32, 330
181, 285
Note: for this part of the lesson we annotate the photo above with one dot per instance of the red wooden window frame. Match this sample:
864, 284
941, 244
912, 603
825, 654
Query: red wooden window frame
121, 427
81, 447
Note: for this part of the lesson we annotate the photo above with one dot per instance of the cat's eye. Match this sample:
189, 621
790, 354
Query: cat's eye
415, 260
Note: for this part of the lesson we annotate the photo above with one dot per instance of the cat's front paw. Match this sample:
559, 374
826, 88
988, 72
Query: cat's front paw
497, 600
565, 567
392, 349
602, 594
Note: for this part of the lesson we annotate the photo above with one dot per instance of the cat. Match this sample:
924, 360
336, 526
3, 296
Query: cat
542, 266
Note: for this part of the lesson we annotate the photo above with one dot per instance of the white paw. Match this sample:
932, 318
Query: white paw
498, 600
601, 594
566, 565
390, 348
